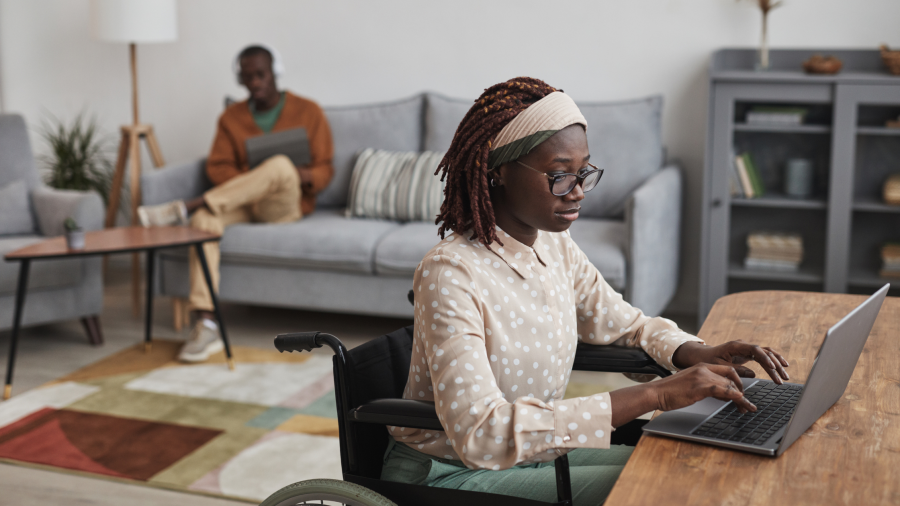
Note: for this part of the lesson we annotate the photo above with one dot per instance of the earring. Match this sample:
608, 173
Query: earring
493, 183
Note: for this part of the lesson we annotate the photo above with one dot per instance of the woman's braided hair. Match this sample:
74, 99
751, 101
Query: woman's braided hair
467, 203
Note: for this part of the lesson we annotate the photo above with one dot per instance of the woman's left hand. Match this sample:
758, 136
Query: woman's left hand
733, 353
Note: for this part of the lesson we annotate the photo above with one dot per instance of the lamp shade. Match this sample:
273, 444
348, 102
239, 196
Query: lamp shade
134, 21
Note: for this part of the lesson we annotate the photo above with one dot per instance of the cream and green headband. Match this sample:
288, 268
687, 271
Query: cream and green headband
533, 126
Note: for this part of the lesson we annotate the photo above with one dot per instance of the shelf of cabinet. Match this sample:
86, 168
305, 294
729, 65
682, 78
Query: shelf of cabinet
866, 279
780, 201
872, 205
803, 275
790, 129
877, 131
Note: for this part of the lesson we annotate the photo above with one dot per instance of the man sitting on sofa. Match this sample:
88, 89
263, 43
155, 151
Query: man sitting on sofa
275, 191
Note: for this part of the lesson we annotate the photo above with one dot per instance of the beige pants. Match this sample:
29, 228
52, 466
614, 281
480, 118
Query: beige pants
270, 193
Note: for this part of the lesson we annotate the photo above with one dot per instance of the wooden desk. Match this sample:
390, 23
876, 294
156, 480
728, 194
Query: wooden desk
851, 455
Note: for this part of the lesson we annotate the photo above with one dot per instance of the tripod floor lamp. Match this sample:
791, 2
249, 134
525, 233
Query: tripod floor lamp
133, 22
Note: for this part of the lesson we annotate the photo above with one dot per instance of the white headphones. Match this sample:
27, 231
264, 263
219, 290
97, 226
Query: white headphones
277, 66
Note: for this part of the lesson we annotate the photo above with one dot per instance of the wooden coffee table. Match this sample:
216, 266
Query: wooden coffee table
102, 242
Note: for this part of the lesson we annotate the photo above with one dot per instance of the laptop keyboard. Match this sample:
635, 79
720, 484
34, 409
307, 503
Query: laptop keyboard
775, 405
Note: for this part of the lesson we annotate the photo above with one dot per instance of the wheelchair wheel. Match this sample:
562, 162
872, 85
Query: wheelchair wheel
326, 492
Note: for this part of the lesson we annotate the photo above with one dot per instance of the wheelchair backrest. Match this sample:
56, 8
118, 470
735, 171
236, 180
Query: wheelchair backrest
378, 369
381, 367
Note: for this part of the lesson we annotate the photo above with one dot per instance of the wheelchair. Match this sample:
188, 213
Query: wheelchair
368, 384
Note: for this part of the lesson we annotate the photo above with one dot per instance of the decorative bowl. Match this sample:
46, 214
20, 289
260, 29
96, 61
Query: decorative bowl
819, 64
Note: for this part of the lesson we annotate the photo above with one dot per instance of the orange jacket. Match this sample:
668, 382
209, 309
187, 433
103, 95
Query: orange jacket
228, 156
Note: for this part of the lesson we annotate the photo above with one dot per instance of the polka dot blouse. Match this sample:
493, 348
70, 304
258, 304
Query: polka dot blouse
495, 337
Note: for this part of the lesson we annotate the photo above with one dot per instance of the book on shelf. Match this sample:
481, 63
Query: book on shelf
739, 175
782, 116
734, 188
771, 265
890, 260
775, 256
749, 177
778, 241
753, 174
777, 251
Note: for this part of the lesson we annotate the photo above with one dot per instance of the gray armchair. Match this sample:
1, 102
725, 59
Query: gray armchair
653, 219
57, 289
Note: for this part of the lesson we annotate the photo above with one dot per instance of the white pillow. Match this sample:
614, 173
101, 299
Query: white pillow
399, 186
15, 209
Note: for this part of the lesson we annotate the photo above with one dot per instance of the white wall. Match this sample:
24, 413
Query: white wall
352, 51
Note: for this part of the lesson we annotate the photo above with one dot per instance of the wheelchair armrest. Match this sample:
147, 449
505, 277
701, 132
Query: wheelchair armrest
398, 412
590, 357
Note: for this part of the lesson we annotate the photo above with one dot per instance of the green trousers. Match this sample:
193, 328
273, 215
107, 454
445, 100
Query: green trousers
593, 474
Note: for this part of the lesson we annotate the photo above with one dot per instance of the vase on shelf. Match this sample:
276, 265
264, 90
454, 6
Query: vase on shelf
763, 63
765, 6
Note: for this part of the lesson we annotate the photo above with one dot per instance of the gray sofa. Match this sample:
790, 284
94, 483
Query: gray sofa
629, 227
57, 289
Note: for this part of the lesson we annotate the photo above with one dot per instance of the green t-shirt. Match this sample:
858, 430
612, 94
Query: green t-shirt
265, 120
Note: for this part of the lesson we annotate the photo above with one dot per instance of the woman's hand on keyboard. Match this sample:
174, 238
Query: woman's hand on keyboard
733, 353
699, 382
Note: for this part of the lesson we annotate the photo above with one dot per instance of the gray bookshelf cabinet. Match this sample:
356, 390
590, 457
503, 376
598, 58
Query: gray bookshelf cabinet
844, 223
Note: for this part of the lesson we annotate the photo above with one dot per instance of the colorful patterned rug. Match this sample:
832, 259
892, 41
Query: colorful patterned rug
147, 419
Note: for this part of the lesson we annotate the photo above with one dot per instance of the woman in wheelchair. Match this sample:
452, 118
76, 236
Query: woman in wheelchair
502, 302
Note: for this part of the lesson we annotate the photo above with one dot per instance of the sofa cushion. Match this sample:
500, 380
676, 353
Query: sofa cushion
323, 240
43, 274
625, 139
442, 117
396, 185
15, 209
395, 126
401, 249
16, 159
604, 243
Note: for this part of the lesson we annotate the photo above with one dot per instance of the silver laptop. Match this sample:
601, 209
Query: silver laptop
292, 143
784, 412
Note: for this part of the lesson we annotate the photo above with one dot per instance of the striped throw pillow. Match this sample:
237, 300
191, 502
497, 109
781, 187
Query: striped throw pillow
399, 186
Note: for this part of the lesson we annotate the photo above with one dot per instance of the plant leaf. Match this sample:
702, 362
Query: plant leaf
78, 158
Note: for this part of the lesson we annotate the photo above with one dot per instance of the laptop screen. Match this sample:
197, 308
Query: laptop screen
292, 143
834, 366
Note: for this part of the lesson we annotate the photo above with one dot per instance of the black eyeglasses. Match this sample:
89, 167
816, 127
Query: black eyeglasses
562, 184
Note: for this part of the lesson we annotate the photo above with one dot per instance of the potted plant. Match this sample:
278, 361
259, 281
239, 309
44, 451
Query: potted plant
74, 234
78, 156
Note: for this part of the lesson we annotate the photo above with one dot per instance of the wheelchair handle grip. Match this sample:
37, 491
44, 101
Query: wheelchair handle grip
297, 341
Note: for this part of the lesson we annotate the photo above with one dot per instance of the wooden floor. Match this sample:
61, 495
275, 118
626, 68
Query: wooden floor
50, 351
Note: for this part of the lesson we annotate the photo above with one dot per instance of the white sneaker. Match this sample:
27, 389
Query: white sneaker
204, 341
163, 215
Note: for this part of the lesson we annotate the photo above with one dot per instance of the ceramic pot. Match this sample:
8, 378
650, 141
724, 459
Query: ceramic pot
75, 239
